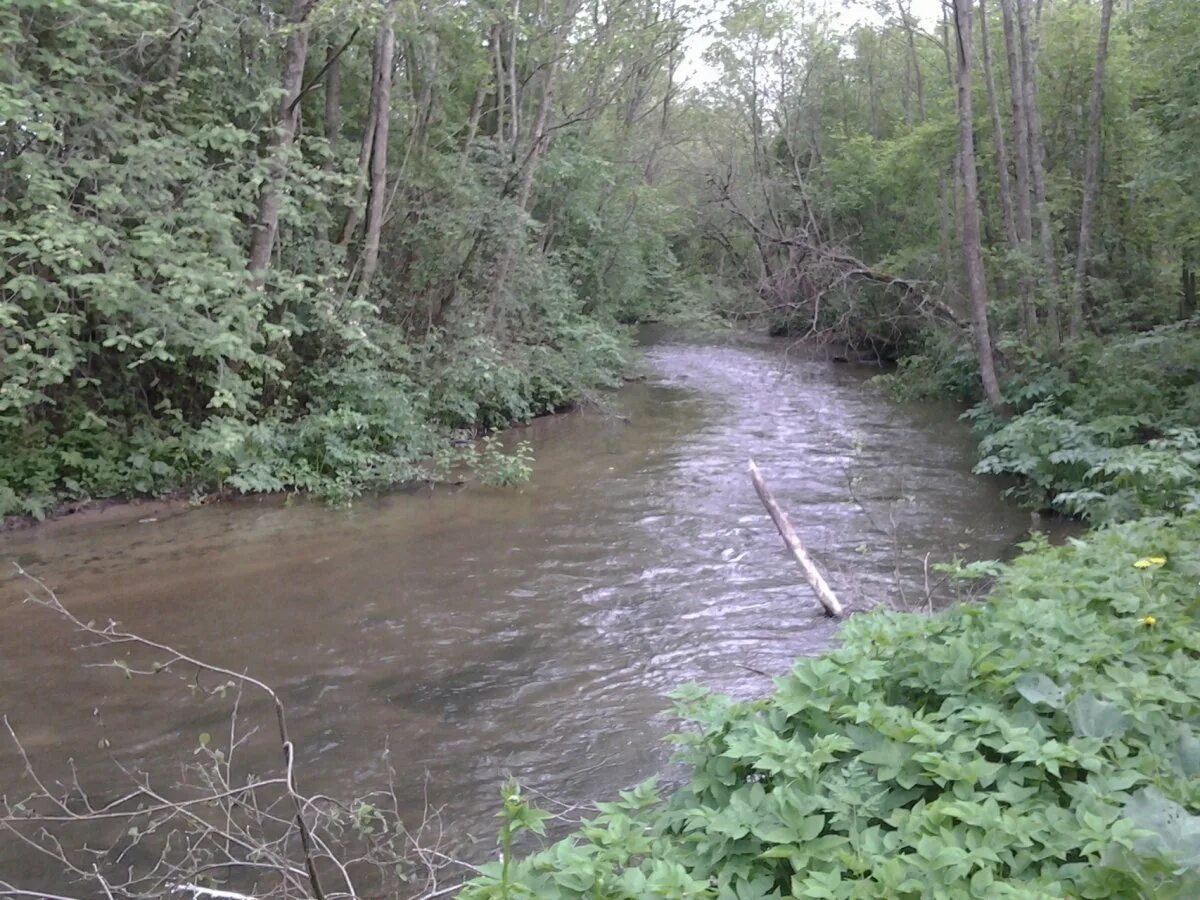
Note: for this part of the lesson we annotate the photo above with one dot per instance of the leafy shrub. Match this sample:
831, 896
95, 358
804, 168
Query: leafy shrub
1107, 432
1042, 744
939, 367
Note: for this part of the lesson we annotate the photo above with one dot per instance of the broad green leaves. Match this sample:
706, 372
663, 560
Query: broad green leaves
1037, 688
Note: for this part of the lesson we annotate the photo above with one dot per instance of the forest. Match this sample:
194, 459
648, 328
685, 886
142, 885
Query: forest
331, 246
314, 247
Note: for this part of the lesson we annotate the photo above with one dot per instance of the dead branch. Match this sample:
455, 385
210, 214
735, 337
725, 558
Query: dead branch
214, 822
825, 595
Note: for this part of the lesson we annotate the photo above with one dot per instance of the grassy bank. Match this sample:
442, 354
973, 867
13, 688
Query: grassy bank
1040, 744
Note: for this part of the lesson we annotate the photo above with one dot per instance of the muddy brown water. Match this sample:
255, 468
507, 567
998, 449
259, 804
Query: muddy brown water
476, 633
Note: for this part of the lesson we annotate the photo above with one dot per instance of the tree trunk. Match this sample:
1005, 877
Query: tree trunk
266, 224
333, 94
1023, 213
825, 595
333, 118
913, 58
473, 118
494, 39
1006, 210
381, 107
1037, 169
1091, 174
539, 140
972, 251
1187, 299
365, 153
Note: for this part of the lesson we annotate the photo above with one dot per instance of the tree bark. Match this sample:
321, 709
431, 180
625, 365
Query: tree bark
972, 251
825, 595
381, 107
1091, 174
266, 224
1023, 211
333, 118
473, 118
1006, 210
1037, 168
365, 153
333, 95
1187, 297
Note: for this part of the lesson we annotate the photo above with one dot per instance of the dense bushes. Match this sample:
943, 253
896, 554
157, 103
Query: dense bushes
141, 348
1106, 430
375, 417
1041, 744
1110, 433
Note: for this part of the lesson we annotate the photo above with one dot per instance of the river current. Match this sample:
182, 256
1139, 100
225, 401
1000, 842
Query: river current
465, 634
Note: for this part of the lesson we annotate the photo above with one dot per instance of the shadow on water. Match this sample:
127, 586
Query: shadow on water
477, 633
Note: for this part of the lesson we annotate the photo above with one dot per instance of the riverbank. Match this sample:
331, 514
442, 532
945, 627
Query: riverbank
1104, 431
480, 633
1040, 743
413, 417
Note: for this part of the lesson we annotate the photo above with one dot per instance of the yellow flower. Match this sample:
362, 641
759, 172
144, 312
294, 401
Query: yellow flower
1150, 562
1149, 621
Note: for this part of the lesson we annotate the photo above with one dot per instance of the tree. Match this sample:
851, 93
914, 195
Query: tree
1091, 176
972, 248
380, 117
1001, 151
1037, 168
287, 123
1021, 158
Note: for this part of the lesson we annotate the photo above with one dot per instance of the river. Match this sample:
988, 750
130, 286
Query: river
476, 633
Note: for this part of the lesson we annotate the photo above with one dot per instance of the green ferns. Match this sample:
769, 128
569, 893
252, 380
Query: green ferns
1041, 744
1110, 434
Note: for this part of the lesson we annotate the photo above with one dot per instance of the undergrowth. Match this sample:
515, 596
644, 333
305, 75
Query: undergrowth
1040, 744
1106, 432
385, 413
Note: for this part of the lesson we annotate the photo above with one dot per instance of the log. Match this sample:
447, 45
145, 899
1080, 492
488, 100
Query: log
820, 586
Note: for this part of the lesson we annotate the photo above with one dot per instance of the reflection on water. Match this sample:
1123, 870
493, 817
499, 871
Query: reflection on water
476, 633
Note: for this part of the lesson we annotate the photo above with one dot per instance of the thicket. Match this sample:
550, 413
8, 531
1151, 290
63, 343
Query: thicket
308, 245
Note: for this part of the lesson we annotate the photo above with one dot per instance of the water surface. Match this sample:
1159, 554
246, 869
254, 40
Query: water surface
477, 633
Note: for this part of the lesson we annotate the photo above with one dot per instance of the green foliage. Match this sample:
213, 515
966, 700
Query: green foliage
1041, 744
1108, 434
139, 356
941, 366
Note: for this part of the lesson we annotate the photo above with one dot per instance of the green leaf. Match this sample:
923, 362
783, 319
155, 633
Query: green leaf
1093, 717
1174, 832
1037, 688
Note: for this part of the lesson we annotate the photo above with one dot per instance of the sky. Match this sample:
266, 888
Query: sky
698, 72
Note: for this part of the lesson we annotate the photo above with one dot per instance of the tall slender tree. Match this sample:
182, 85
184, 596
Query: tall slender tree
971, 245
1022, 191
381, 114
286, 125
1037, 168
1091, 174
1001, 151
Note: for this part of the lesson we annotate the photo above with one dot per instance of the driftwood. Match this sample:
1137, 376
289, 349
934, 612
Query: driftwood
825, 594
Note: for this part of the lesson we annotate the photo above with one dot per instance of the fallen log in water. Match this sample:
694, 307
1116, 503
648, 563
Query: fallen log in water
820, 587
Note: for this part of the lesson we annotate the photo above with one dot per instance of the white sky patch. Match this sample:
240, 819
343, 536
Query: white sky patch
696, 72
